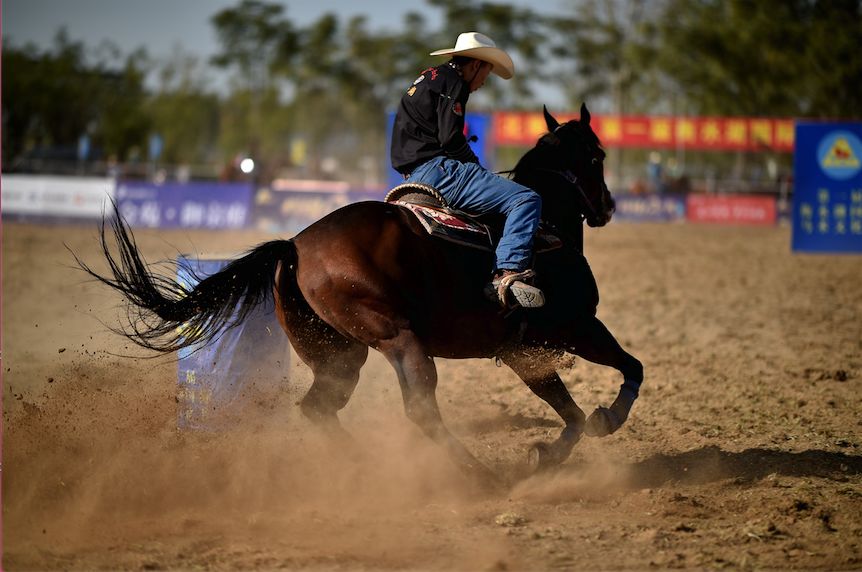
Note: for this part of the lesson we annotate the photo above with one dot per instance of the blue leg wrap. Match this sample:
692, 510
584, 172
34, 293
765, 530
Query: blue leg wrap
631, 387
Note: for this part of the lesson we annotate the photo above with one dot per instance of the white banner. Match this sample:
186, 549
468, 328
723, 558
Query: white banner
41, 195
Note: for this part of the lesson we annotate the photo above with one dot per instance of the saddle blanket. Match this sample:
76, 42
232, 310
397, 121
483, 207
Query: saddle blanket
461, 230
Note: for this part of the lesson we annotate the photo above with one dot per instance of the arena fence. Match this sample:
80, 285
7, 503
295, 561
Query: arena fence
290, 206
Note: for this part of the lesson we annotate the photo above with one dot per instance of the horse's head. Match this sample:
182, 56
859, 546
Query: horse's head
567, 168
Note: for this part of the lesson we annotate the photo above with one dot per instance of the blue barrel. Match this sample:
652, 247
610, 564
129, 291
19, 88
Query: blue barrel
246, 364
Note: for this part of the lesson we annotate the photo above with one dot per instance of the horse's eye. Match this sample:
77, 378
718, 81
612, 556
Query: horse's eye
595, 160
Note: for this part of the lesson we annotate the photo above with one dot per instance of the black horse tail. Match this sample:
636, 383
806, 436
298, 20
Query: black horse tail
164, 315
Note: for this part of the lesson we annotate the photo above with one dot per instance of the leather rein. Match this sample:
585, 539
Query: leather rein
572, 179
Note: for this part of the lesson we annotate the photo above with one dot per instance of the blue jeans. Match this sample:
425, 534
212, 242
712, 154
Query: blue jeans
471, 188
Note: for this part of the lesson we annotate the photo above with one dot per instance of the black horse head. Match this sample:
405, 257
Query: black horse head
566, 167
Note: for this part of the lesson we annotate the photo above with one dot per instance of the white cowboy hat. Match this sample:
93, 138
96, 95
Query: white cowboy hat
481, 47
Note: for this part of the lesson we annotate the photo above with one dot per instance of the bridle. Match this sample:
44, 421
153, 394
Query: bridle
589, 210
567, 174
572, 179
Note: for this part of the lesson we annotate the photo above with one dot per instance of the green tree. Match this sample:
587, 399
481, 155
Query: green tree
256, 40
184, 113
123, 124
774, 57
603, 55
833, 82
344, 81
258, 44
732, 57
57, 96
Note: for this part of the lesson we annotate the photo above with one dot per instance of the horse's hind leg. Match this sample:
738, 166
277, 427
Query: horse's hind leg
540, 375
592, 341
336, 373
417, 376
335, 360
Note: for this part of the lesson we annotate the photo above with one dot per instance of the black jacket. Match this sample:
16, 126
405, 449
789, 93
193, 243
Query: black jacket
430, 120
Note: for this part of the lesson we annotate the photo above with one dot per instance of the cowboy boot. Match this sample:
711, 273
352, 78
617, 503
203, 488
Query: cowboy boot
512, 282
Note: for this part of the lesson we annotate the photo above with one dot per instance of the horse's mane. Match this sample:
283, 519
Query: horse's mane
531, 157
549, 145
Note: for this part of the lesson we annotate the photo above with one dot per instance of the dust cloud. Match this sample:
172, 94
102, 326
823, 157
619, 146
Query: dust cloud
100, 453
742, 451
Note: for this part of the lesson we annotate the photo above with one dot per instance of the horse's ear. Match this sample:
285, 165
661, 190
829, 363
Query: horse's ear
549, 119
585, 114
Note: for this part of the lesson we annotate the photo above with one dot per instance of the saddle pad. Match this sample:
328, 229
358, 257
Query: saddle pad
443, 224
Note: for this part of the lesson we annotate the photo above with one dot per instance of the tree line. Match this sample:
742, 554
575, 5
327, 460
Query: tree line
296, 94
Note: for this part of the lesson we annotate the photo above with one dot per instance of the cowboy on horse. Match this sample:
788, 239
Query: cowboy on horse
429, 146
368, 275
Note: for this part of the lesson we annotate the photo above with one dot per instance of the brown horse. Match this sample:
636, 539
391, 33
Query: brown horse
369, 275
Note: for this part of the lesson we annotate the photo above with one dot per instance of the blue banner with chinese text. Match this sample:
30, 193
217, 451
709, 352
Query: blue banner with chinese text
650, 208
185, 205
827, 199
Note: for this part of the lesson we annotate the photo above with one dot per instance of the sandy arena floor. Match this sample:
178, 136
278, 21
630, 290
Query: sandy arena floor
743, 451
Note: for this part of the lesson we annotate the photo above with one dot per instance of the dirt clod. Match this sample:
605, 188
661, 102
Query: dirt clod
509, 519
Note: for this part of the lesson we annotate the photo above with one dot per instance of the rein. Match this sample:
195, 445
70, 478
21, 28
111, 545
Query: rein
572, 179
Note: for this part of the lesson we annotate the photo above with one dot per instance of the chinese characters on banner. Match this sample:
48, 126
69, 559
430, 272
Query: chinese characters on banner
649, 208
731, 209
660, 132
185, 205
827, 200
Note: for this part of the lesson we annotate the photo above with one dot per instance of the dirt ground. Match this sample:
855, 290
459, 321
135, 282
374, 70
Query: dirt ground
742, 452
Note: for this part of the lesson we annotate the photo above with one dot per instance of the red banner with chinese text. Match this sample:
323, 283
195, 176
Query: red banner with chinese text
659, 132
731, 209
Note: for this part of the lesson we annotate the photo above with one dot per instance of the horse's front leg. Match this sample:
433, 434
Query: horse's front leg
542, 379
594, 342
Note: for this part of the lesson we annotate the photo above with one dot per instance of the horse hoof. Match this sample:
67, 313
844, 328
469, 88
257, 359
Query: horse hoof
539, 457
601, 423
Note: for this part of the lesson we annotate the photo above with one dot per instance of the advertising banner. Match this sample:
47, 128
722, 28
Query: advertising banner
246, 363
658, 132
185, 205
649, 208
55, 196
827, 198
291, 205
731, 209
